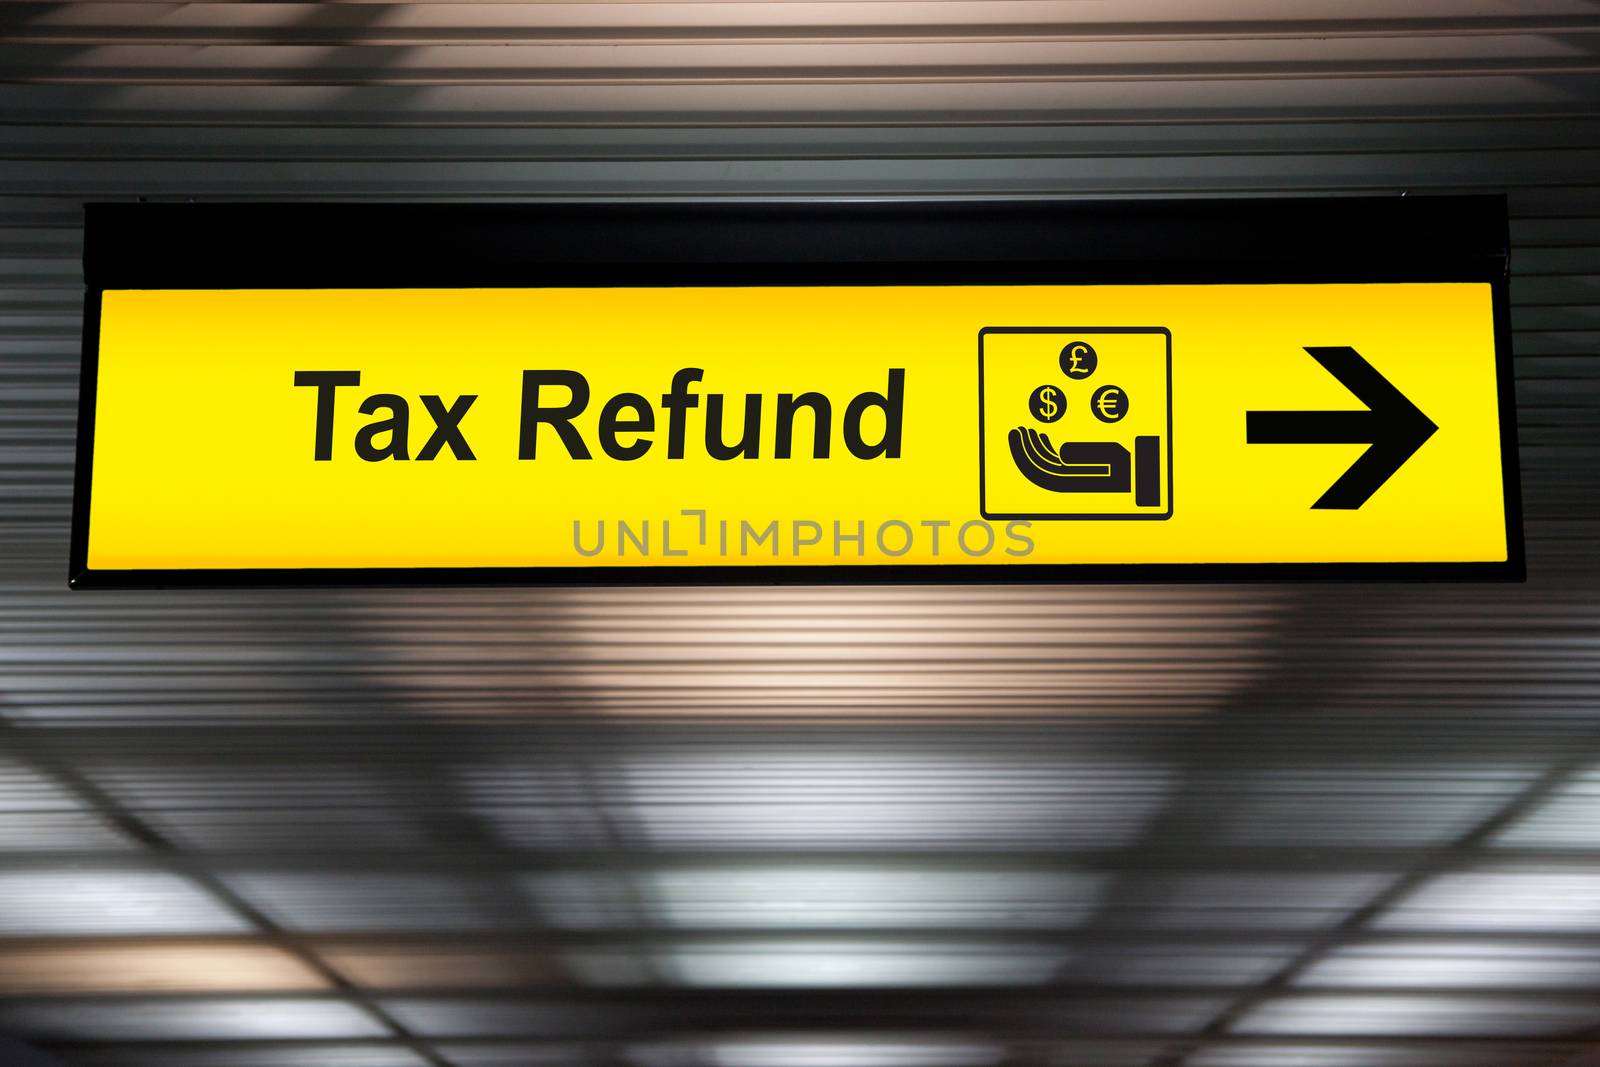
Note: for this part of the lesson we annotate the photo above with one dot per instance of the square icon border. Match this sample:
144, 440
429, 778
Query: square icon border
983, 491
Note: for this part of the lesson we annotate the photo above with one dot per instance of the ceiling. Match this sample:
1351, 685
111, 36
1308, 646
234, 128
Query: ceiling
1145, 826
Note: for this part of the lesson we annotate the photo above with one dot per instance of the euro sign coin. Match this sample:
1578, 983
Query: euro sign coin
1109, 403
1047, 403
1078, 360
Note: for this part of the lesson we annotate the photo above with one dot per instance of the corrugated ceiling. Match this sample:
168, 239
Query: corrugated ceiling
1078, 827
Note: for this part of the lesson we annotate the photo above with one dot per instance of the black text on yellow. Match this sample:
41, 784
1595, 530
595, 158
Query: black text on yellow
556, 398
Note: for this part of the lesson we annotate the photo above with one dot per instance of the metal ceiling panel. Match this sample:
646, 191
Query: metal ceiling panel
1335, 826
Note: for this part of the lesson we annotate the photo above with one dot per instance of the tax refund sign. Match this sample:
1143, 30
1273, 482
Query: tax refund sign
824, 393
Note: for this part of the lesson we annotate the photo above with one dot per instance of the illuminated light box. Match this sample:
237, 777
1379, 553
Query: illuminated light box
810, 393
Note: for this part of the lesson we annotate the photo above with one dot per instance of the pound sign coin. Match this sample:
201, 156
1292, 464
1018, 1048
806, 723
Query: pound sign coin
1078, 361
1047, 403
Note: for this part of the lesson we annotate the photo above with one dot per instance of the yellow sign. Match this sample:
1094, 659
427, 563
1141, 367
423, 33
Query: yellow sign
795, 426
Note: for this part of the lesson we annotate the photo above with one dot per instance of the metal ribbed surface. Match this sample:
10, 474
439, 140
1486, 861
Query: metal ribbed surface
1078, 827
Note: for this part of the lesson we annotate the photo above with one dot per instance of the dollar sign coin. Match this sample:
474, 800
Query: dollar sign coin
1109, 403
1047, 403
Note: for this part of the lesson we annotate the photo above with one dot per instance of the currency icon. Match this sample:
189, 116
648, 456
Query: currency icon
1048, 403
1078, 360
1083, 450
1109, 403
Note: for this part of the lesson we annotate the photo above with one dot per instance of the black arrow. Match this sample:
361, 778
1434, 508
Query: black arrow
1392, 425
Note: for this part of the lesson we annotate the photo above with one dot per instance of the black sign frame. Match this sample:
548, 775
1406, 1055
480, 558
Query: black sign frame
365, 245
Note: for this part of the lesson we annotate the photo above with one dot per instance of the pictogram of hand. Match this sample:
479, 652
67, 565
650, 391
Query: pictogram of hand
1077, 467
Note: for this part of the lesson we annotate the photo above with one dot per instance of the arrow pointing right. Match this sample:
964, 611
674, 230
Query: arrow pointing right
1392, 425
